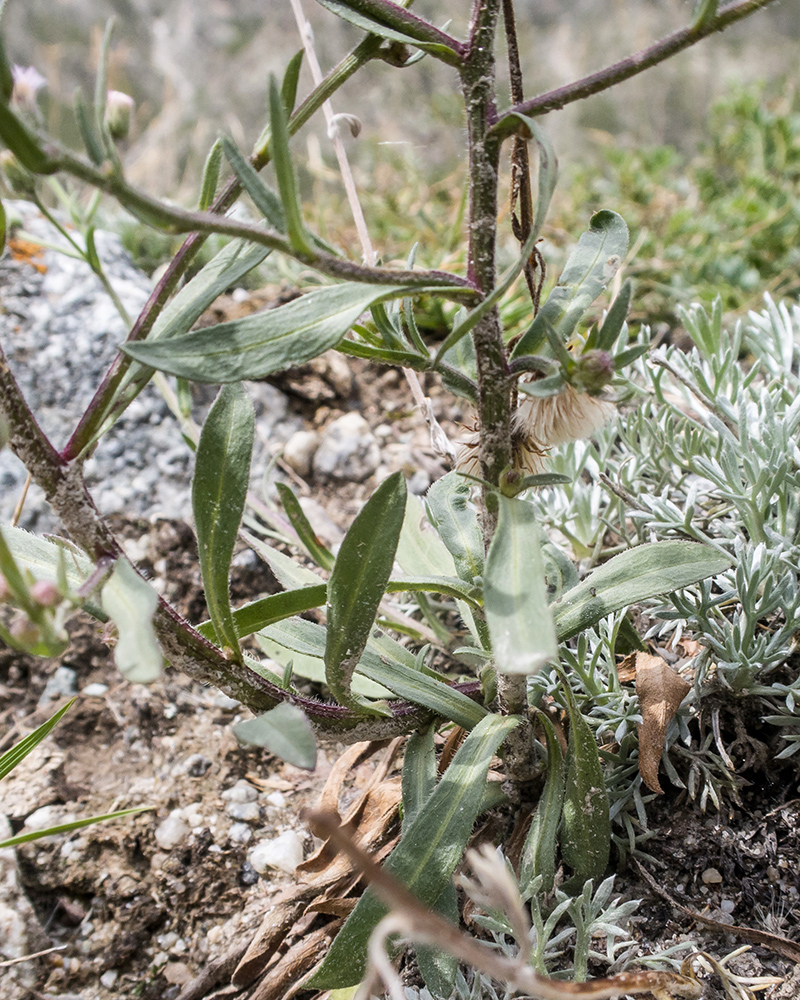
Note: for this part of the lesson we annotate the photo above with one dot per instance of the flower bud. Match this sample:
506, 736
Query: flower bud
119, 111
45, 593
19, 179
593, 371
25, 632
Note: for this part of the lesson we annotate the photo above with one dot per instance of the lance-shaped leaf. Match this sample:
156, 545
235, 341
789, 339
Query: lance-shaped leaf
291, 78
603, 338
268, 610
219, 488
590, 267
268, 342
358, 583
76, 824
456, 520
321, 555
515, 594
636, 575
11, 757
428, 852
264, 198
284, 171
208, 186
539, 853
421, 552
283, 731
393, 34
130, 603
586, 826
225, 270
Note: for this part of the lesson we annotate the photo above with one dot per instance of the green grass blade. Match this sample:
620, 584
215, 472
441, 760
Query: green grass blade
25, 838
20, 750
219, 488
358, 583
284, 171
266, 611
264, 198
428, 852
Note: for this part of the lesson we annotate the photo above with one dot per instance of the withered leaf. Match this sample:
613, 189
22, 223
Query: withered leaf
660, 692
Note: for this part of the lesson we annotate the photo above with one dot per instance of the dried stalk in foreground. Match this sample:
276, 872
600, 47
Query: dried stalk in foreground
415, 922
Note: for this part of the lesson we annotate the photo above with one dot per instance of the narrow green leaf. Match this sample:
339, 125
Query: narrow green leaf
21, 749
358, 583
6, 75
130, 603
625, 358
539, 853
514, 593
291, 78
2, 239
543, 388
283, 731
428, 852
26, 838
604, 337
590, 267
439, 968
313, 668
219, 489
586, 826
419, 773
636, 575
388, 664
264, 343
452, 513
448, 585
289, 573
266, 611
264, 198
321, 555
282, 160
91, 143
208, 187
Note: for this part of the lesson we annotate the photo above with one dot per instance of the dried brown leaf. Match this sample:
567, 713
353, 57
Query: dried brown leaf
660, 692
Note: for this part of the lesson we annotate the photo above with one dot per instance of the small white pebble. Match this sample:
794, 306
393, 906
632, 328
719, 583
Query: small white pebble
94, 690
727, 905
225, 703
167, 940
284, 853
245, 812
277, 799
242, 791
711, 876
239, 833
173, 829
109, 978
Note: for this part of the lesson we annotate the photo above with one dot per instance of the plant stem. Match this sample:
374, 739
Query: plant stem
626, 68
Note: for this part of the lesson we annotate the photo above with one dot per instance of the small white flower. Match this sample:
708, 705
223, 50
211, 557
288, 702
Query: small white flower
28, 81
119, 109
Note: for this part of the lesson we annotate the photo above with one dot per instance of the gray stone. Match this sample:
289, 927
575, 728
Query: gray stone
348, 450
62, 684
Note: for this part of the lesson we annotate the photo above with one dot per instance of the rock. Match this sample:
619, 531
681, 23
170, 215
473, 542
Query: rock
244, 812
239, 833
94, 690
47, 816
171, 830
299, 451
62, 684
242, 791
711, 876
348, 450
284, 853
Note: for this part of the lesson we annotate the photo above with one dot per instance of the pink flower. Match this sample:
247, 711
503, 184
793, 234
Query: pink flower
119, 109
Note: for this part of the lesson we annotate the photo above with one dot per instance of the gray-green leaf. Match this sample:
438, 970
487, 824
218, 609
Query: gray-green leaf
268, 342
515, 595
285, 732
636, 575
592, 264
130, 603
456, 520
